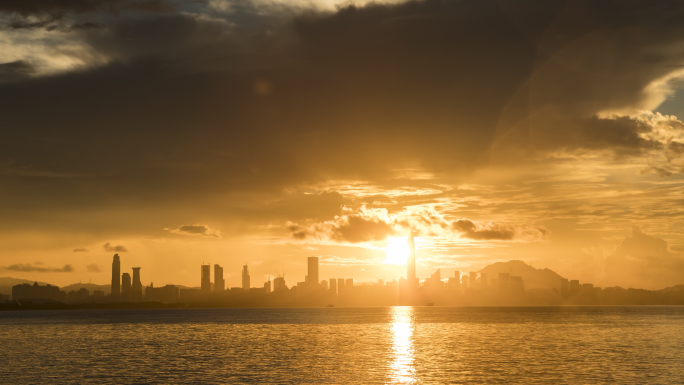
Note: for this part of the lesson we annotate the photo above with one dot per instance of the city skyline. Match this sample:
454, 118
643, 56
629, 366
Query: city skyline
335, 191
511, 284
549, 148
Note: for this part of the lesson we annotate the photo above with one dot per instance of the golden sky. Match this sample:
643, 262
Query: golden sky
176, 133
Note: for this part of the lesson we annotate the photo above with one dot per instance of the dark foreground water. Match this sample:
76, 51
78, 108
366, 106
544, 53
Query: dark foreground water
591, 345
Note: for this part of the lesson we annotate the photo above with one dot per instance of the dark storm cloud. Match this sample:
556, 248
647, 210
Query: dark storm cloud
119, 249
49, 14
14, 71
28, 268
179, 113
63, 7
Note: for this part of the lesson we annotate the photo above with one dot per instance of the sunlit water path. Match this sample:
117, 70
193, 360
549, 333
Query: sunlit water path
400, 345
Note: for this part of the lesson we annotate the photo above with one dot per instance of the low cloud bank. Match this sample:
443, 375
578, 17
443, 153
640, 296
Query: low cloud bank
28, 268
368, 225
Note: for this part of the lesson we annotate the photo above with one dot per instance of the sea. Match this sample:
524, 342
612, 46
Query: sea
388, 345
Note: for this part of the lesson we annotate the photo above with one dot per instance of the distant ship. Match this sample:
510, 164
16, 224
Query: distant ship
331, 306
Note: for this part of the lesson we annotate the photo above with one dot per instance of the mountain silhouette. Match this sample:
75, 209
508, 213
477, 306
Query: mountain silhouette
534, 278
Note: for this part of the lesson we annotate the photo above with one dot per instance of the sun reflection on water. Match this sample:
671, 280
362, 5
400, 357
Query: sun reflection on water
402, 370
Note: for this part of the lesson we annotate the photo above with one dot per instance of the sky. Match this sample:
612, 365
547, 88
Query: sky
177, 133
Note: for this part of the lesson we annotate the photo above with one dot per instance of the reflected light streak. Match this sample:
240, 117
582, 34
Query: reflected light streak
402, 369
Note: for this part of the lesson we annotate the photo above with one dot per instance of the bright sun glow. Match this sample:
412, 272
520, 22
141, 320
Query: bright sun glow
396, 251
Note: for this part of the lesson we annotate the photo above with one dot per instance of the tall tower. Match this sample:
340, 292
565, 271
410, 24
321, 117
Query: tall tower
219, 283
116, 278
137, 285
245, 277
313, 271
126, 287
206, 279
411, 263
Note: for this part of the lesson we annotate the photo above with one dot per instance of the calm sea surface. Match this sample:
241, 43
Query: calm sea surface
400, 345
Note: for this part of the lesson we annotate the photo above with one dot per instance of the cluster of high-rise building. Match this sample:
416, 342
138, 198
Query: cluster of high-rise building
123, 287
463, 288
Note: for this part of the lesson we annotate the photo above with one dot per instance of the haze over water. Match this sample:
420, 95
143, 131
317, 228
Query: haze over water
396, 345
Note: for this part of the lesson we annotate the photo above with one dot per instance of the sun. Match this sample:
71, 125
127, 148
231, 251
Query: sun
396, 251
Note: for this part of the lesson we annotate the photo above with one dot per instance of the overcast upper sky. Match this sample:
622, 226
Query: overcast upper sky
262, 132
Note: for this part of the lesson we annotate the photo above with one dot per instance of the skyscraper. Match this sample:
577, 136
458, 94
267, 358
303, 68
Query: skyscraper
340, 285
411, 263
564, 287
245, 277
137, 285
279, 284
125, 287
313, 271
219, 283
473, 279
333, 286
206, 279
116, 278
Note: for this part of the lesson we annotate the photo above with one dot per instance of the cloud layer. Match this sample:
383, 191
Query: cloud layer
474, 121
29, 268
193, 230
368, 225
118, 249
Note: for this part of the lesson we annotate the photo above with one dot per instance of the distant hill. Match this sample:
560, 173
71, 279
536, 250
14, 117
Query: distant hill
90, 286
672, 289
6, 284
534, 278
106, 288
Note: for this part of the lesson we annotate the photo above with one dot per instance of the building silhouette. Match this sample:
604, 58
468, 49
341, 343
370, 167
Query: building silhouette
411, 264
116, 274
340, 285
137, 291
80, 295
126, 287
279, 284
332, 286
454, 283
473, 279
205, 286
168, 293
35, 292
564, 287
267, 285
245, 277
574, 287
504, 280
312, 276
219, 282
